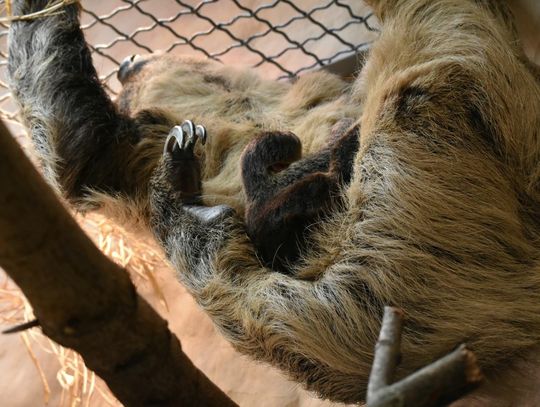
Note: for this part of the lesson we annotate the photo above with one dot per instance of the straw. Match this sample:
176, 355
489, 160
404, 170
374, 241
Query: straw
80, 386
53, 8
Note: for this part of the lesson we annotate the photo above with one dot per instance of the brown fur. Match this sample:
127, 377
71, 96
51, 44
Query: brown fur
441, 217
286, 195
236, 114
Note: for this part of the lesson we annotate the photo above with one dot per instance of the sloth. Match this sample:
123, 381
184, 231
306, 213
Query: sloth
438, 213
282, 200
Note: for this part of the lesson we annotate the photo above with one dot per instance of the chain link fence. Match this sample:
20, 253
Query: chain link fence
280, 38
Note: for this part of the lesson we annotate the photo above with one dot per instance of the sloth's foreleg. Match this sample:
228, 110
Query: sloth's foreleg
80, 138
175, 186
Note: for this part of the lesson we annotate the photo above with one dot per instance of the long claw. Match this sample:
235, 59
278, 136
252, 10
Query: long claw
184, 137
188, 127
167, 147
192, 136
174, 139
200, 132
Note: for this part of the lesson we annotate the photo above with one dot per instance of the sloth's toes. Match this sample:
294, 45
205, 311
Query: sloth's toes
181, 139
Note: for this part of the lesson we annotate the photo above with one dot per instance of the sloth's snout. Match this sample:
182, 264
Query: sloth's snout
127, 67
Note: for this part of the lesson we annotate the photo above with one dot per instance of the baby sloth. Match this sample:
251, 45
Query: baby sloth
285, 195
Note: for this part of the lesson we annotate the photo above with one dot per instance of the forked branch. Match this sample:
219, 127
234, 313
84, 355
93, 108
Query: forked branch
439, 383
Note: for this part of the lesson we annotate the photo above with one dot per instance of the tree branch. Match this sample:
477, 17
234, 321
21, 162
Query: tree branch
387, 351
86, 302
439, 383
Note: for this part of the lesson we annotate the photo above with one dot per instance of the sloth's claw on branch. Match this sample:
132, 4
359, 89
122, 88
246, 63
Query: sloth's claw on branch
439, 383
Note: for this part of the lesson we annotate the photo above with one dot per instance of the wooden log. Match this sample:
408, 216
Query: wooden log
85, 301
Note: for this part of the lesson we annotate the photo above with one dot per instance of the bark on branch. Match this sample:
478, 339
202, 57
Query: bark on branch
86, 302
439, 383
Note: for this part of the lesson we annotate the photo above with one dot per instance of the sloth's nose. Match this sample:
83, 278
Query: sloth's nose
125, 68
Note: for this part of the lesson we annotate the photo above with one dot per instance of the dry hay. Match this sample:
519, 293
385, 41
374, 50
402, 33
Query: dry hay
80, 386
53, 8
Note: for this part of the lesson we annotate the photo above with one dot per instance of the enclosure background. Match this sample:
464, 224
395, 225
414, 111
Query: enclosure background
280, 39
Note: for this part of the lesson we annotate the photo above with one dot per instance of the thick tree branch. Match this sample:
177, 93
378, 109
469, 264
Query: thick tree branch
439, 383
86, 302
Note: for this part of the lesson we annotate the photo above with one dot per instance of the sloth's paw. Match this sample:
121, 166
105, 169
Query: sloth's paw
181, 166
182, 139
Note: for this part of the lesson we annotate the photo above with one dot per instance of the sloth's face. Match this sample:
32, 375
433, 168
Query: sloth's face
157, 73
135, 67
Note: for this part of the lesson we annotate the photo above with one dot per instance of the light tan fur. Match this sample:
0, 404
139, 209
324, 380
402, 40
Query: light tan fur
442, 217
235, 105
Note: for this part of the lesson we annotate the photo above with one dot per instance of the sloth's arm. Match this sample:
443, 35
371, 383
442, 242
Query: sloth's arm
285, 197
271, 316
279, 226
81, 139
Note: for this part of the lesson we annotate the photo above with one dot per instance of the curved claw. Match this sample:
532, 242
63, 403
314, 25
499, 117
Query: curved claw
200, 131
188, 127
184, 137
174, 139
191, 137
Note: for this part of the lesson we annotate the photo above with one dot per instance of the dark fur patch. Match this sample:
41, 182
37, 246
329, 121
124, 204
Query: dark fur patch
409, 100
488, 135
217, 80
151, 117
277, 224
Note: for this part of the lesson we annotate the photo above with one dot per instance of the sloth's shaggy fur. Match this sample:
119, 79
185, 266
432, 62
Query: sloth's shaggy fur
442, 216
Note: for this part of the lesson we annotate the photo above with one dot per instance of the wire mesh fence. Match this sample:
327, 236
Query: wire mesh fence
281, 38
